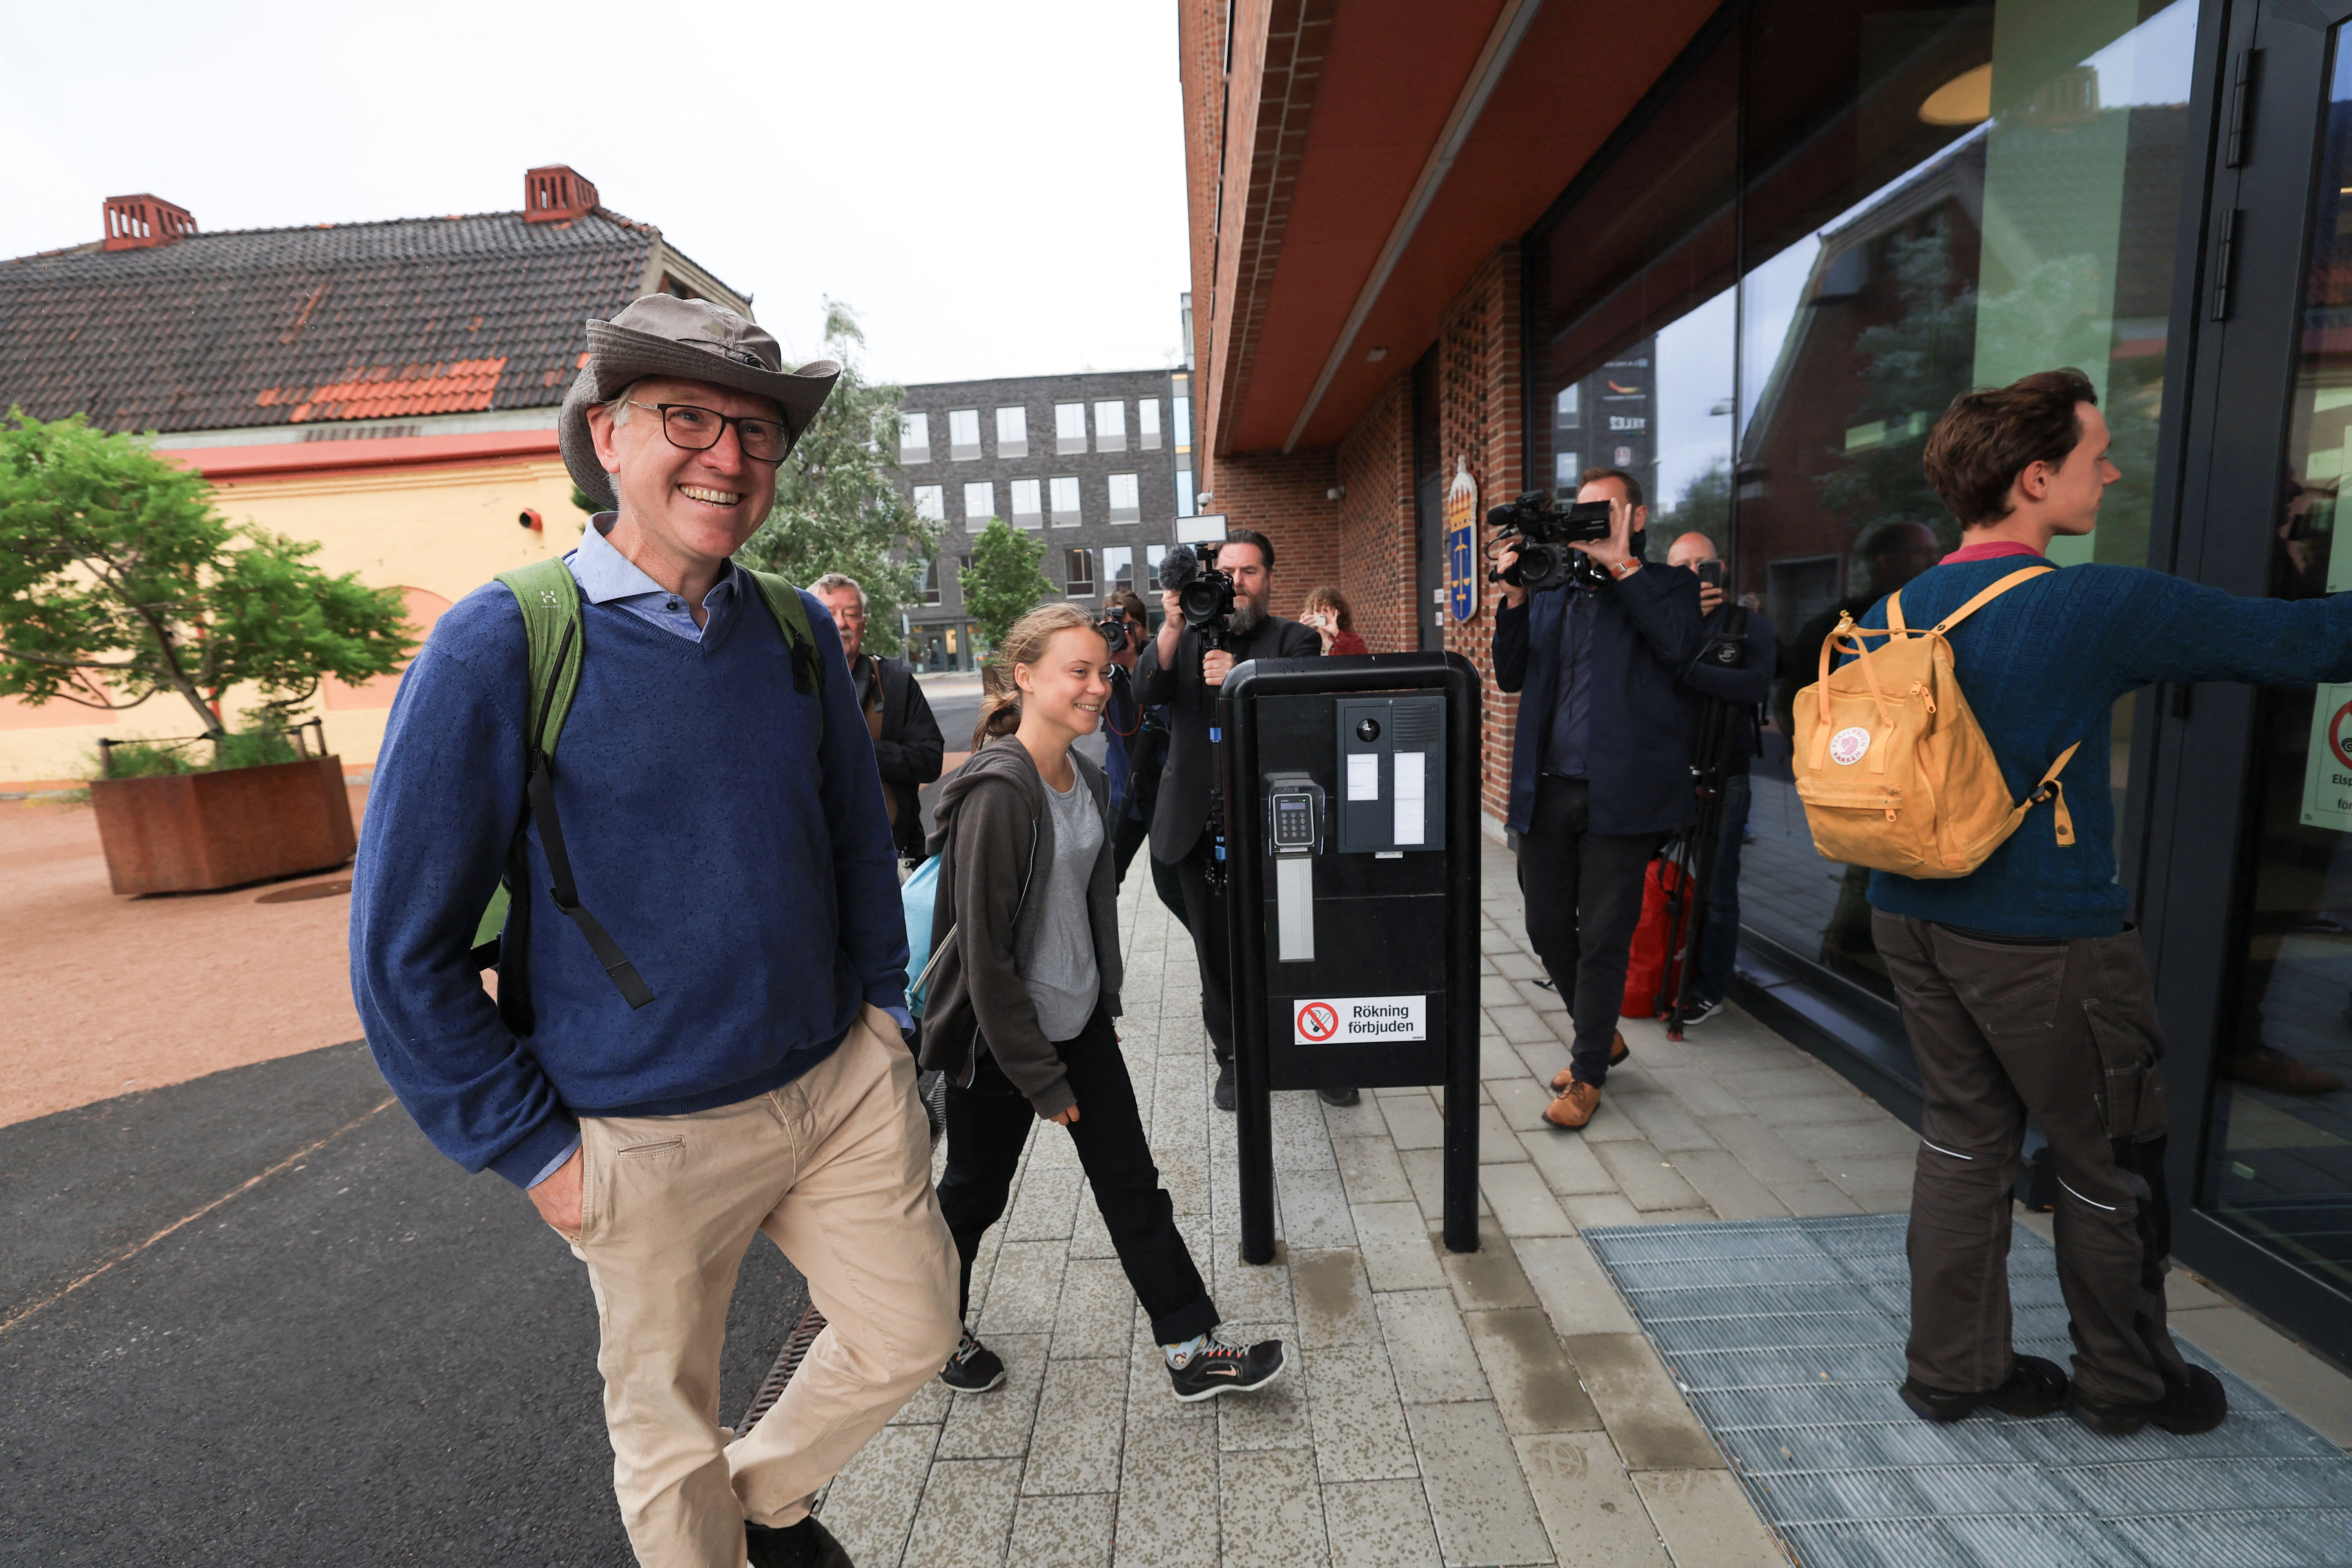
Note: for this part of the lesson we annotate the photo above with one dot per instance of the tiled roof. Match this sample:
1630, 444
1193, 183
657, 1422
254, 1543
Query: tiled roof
291, 325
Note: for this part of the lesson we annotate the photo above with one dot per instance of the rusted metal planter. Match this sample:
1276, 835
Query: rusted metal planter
189, 833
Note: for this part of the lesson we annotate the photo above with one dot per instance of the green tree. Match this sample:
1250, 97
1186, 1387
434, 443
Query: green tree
838, 506
1002, 583
118, 580
1705, 508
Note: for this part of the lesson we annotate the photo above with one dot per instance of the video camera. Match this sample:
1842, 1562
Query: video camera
1547, 522
1205, 595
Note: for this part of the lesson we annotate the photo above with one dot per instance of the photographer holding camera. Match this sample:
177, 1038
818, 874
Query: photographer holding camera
1216, 619
1593, 639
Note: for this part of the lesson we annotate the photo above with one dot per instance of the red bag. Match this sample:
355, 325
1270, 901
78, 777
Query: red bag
1655, 940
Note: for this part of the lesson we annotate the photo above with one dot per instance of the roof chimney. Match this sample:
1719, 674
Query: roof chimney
135, 222
556, 194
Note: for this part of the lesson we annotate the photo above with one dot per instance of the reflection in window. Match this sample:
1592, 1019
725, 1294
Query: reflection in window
914, 438
1119, 569
963, 434
928, 582
1147, 424
1126, 497
1110, 425
1011, 432
1078, 573
1064, 494
1069, 427
931, 502
1153, 555
979, 504
1028, 509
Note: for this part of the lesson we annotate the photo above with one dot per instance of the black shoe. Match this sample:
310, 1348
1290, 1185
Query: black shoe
1225, 1090
1699, 1009
1341, 1096
2033, 1387
1220, 1368
807, 1544
2198, 1403
974, 1368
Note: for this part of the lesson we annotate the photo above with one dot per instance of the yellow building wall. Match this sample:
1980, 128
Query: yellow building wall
441, 531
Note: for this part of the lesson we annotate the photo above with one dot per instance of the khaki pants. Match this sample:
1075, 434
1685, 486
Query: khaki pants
836, 1167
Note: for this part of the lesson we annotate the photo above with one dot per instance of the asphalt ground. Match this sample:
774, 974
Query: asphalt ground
256, 1319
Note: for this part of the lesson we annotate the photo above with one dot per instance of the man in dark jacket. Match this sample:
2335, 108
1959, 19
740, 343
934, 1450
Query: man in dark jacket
1600, 763
907, 744
1173, 670
1742, 687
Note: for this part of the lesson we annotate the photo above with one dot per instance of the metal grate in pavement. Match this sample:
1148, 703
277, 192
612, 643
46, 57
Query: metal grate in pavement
1786, 1336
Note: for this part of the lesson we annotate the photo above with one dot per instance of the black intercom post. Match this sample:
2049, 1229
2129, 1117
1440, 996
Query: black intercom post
1352, 788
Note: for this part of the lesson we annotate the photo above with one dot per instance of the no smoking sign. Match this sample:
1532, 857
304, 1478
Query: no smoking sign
1346, 1020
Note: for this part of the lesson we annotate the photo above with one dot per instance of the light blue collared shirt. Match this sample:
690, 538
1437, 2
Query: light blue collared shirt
609, 577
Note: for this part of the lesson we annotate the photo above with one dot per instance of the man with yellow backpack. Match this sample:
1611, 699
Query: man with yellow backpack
1938, 751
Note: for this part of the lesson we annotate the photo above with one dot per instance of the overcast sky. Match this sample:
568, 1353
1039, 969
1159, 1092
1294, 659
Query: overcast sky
997, 190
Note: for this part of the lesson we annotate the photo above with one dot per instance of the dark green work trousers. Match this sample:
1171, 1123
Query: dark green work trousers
2065, 1030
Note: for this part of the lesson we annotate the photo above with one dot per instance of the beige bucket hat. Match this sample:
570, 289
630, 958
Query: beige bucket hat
693, 340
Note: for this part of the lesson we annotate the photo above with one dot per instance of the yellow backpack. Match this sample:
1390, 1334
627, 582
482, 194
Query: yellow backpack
1891, 767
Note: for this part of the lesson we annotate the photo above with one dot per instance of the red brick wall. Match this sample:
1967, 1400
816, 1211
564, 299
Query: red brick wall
1375, 528
1288, 498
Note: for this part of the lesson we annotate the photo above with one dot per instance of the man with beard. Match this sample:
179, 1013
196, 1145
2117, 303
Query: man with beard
1173, 669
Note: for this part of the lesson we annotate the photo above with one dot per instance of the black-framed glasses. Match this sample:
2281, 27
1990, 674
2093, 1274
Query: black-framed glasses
694, 429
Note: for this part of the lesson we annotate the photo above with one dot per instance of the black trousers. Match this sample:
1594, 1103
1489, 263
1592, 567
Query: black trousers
1583, 894
989, 1122
1205, 914
2066, 1030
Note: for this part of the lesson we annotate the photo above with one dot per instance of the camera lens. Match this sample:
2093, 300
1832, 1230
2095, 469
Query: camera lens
1368, 729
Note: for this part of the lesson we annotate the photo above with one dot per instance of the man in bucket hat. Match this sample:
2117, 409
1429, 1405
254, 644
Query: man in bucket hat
716, 1050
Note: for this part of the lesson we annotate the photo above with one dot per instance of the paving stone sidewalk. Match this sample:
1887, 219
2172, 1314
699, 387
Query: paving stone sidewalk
1495, 1408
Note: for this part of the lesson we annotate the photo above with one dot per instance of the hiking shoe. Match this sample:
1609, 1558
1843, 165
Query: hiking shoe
807, 1544
2033, 1387
974, 1368
1224, 1094
1341, 1096
2198, 1404
1221, 1368
1573, 1109
1618, 1052
1701, 1009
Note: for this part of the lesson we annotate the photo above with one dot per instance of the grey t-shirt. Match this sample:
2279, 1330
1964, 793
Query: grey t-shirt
1060, 970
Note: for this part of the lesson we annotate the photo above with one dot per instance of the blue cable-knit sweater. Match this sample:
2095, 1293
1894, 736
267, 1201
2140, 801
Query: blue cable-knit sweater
2043, 667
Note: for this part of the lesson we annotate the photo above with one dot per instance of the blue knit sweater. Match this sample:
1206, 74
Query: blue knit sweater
2043, 667
748, 872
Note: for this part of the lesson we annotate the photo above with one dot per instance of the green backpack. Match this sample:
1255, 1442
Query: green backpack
555, 633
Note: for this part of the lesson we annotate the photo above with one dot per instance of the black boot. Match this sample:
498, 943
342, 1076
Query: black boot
2033, 1387
807, 1544
2197, 1402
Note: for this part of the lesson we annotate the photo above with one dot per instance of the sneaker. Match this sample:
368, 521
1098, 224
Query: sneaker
1341, 1096
807, 1544
1224, 1094
1700, 1009
2198, 1404
2033, 1387
1223, 1368
1574, 1107
974, 1368
1618, 1052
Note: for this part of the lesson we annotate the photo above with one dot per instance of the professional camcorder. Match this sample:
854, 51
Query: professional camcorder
1547, 522
1203, 594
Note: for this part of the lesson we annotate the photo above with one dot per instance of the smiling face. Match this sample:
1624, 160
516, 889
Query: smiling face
696, 508
1070, 683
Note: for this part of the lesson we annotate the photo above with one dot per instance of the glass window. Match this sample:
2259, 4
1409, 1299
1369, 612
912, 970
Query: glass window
1078, 573
1028, 510
1069, 427
1185, 506
1182, 410
1760, 304
1153, 555
1011, 432
927, 582
1110, 425
914, 438
1147, 424
1126, 497
1064, 496
978, 503
931, 502
1119, 569
963, 434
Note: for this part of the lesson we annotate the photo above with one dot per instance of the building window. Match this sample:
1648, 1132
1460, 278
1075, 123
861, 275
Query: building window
1153, 555
1078, 573
1184, 492
1065, 501
1011, 432
1566, 466
931, 502
929, 580
1026, 510
1110, 425
963, 434
1119, 569
1147, 424
978, 503
1126, 504
1182, 408
1069, 427
914, 438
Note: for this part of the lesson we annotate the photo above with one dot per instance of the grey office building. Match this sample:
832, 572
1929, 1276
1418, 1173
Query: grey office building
1099, 464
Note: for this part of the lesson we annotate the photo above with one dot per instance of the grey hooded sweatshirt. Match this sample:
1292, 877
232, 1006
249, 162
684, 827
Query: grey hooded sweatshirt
995, 843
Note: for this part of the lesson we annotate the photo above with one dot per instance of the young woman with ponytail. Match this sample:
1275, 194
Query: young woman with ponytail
1025, 985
